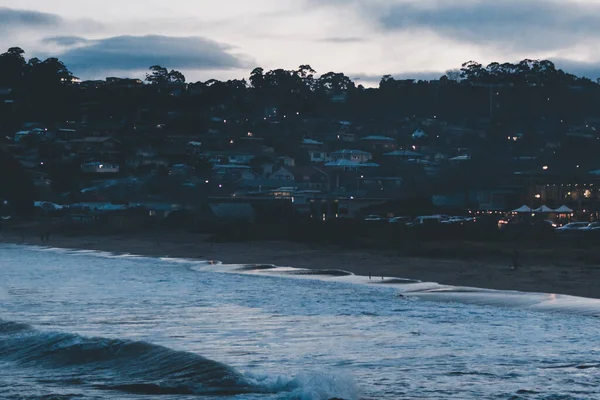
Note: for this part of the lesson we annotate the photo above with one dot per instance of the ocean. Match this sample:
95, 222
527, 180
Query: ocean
94, 325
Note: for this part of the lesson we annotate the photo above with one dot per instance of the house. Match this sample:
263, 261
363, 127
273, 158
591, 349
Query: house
315, 150
99, 168
379, 144
342, 136
419, 134
232, 172
240, 158
7, 96
283, 174
347, 165
311, 178
287, 161
106, 147
357, 156
303, 178
124, 83
405, 154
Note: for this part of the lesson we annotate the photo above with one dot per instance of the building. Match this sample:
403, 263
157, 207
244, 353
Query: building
357, 156
379, 144
99, 168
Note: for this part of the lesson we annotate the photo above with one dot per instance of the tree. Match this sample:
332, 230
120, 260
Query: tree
453, 75
49, 72
158, 75
12, 67
161, 75
335, 82
257, 78
176, 77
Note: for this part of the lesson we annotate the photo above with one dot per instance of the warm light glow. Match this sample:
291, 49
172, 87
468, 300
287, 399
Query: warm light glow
538, 196
545, 167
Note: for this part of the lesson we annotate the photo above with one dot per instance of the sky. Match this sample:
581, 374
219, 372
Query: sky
365, 39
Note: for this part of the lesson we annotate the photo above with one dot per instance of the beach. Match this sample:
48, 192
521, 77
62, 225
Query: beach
540, 271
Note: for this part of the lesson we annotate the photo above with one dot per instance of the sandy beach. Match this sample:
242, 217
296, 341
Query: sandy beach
540, 272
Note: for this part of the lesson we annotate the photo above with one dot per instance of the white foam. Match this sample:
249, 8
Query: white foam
429, 291
315, 385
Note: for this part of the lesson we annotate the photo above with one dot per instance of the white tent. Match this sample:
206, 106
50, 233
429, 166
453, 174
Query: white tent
544, 209
563, 210
522, 209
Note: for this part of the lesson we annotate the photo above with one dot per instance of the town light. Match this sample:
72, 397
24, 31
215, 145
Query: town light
545, 167
538, 196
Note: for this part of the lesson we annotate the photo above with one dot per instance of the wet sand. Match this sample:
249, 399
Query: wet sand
547, 274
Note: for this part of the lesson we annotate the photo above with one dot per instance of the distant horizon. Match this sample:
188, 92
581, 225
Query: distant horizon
363, 39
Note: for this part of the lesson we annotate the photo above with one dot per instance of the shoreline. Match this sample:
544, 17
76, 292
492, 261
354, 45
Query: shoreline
538, 274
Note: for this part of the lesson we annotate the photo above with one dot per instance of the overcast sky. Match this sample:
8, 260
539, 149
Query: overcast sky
363, 38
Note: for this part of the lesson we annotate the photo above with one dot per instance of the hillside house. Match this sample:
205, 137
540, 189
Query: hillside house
356, 156
379, 144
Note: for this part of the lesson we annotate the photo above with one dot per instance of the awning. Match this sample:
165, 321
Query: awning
544, 209
563, 210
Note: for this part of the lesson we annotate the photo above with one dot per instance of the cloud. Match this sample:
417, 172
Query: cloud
67, 41
343, 40
578, 68
514, 25
134, 53
11, 18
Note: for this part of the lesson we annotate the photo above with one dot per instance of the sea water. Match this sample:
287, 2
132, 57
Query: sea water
93, 325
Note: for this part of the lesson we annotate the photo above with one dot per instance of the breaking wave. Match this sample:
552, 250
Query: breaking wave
124, 365
143, 368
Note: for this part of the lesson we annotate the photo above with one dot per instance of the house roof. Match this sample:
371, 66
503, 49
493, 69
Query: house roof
460, 158
404, 153
311, 142
379, 138
352, 164
93, 139
303, 171
352, 152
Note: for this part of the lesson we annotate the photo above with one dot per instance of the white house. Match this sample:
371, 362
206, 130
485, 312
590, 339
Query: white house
99, 168
419, 134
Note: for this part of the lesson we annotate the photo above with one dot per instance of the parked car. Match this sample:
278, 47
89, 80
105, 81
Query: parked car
572, 227
426, 220
374, 218
400, 220
454, 220
594, 226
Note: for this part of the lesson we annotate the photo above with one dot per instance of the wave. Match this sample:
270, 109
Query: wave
143, 368
408, 288
320, 272
124, 365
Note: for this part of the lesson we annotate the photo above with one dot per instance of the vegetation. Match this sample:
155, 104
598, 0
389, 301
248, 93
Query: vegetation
522, 94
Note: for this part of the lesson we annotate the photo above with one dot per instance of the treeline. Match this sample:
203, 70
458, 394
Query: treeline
520, 96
